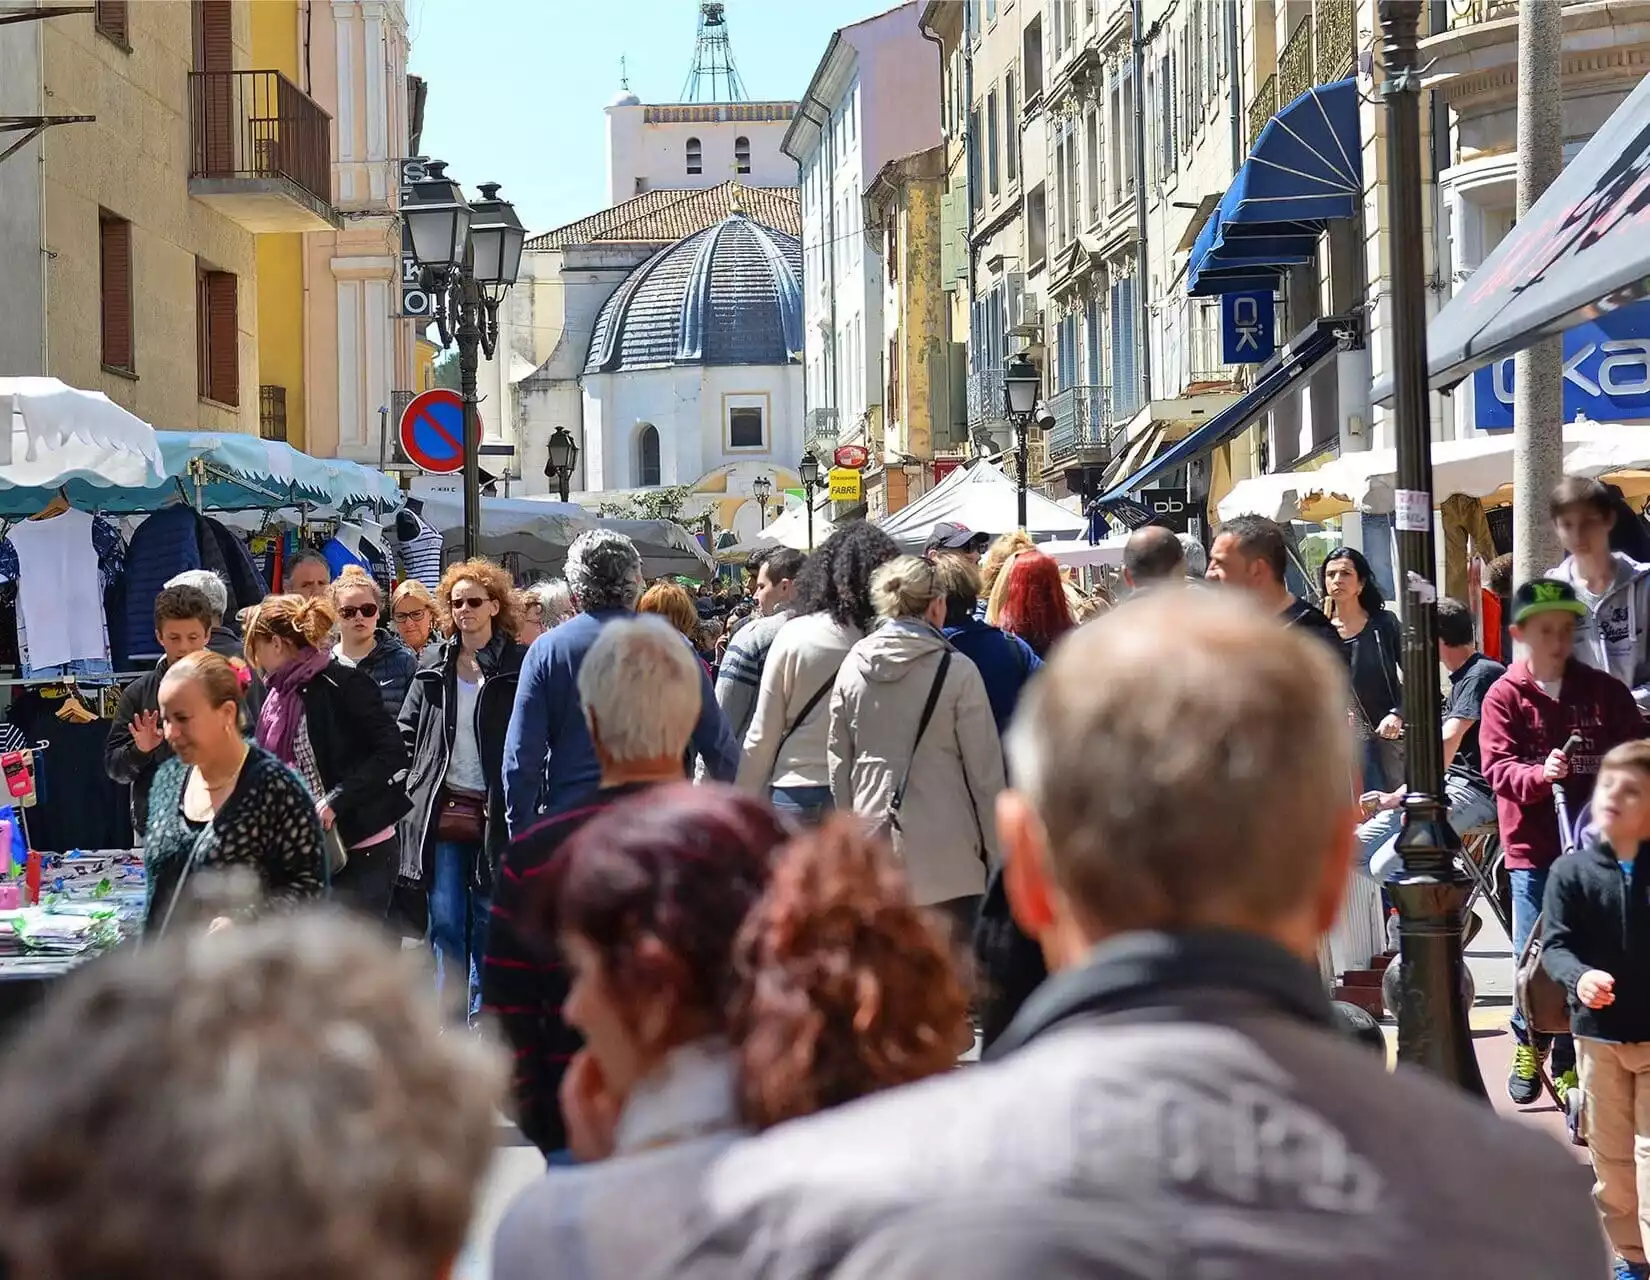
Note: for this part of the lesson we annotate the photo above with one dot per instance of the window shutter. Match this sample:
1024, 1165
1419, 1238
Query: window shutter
223, 356
115, 267
214, 35
110, 19
203, 334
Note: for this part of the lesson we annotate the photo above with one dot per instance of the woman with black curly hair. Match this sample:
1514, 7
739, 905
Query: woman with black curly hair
785, 747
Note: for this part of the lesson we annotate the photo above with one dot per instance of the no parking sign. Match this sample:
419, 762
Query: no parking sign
432, 431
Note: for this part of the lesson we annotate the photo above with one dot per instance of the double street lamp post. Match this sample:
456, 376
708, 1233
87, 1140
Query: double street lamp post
1431, 896
470, 255
761, 487
808, 470
1021, 382
563, 457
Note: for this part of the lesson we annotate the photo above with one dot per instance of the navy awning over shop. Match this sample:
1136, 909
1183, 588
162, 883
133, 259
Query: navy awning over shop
1306, 169
1304, 355
1584, 249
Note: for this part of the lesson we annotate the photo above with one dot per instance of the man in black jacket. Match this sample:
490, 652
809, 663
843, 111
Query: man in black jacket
1251, 552
1597, 910
137, 743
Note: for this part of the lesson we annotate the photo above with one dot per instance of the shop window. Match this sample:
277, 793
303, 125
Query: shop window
647, 446
745, 428
115, 290
695, 157
217, 336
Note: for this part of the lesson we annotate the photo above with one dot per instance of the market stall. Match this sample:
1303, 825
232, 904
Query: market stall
981, 497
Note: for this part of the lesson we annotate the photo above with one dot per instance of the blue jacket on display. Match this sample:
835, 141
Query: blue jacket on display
165, 544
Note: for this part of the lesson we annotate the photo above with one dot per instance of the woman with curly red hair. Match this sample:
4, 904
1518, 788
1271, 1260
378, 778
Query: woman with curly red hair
1034, 602
724, 980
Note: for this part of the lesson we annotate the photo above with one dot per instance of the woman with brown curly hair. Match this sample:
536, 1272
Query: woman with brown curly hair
723, 980
453, 726
327, 722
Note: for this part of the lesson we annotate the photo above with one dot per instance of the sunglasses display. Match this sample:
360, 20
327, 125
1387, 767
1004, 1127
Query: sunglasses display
358, 611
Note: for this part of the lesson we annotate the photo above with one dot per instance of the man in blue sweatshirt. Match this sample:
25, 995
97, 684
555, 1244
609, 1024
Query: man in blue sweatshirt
549, 762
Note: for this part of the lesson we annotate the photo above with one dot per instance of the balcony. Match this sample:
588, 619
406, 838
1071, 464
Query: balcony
260, 151
1084, 428
1469, 13
985, 398
272, 412
1322, 51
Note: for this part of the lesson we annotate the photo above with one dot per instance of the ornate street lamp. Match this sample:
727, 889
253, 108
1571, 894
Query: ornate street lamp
564, 456
470, 256
1021, 383
1433, 1030
808, 470
761, 487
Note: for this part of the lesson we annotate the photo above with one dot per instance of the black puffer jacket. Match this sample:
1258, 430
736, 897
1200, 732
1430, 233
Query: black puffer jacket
358, 751
391, 665
428, 722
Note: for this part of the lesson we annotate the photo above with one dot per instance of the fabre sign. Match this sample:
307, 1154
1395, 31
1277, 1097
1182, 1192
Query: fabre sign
1606, 373
415, 303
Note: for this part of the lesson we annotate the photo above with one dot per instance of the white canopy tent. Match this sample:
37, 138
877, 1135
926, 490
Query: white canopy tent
1480, 467
58, 434
788, 530
981, 497
1077, 554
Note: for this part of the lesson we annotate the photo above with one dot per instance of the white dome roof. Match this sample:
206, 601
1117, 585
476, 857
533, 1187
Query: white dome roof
625, 98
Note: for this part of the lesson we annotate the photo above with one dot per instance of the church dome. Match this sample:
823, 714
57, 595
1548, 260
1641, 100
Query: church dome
728, 295
625, 98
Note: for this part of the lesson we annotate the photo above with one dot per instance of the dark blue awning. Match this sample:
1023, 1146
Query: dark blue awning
1304, 355
1306, 169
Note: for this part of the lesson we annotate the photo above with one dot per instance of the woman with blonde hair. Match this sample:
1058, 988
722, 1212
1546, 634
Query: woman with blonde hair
412, 609
362, 644
996, 560
326, 721
671, 601
913, 745
453, 728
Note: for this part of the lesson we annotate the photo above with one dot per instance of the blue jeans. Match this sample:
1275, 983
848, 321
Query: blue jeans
1528, 889
458, 919
807, 805
1469, 807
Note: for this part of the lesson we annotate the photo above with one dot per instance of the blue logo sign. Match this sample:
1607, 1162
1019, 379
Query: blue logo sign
1606, 373
1248, 327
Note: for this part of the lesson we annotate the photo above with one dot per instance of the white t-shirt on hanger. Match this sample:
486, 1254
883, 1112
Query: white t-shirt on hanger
59, 593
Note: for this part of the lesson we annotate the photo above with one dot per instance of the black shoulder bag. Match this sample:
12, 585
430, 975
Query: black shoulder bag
898, 799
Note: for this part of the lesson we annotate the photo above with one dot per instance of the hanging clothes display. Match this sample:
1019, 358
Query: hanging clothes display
247, 584
344, 549
79, 807
1466, 533
62, 566
164, 546
420, 548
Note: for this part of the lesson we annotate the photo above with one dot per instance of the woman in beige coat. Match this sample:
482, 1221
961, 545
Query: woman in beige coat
943, 824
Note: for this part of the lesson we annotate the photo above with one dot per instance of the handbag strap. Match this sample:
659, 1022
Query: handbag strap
922, 728
807, 710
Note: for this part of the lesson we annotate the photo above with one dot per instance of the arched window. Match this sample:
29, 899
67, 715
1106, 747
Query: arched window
647, 445
695, 156
742, 154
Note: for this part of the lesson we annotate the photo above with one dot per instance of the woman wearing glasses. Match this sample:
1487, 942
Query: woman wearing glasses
362, 644
453, 725
412, 609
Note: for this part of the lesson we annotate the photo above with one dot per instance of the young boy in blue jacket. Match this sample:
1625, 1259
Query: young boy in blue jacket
1597, 910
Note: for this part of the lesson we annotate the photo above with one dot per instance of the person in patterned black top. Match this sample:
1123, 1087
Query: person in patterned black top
221, 802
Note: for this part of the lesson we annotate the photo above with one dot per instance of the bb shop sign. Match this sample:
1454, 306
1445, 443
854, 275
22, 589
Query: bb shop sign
1606, 373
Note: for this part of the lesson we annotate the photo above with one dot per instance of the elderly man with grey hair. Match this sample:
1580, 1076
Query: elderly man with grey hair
640, 692
550, 762
1175, 1098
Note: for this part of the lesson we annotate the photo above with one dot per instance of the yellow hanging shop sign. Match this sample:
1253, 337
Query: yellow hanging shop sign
845, 485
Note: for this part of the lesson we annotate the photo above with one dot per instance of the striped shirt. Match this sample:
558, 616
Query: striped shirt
523, 980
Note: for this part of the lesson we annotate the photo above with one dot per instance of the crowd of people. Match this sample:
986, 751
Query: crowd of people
734, 889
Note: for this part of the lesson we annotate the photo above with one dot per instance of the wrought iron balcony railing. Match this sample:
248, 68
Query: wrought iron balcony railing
255, 137
985, 397
1085, 421
1322, 50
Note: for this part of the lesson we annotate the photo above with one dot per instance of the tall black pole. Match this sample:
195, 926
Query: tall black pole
809, 490
1433, 1030
1020, 425
468, 337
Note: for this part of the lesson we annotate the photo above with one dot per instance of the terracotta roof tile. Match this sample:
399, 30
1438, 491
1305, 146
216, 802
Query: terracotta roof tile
666, 216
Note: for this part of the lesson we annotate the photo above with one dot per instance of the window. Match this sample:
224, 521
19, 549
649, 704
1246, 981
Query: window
115, 290
1036, 226
272, 412
217, 336
976, 196
1124, 372
109, 19
214, 36
853, 113
992, 144
745, 427
1011, 129
647, 447
742, 155
695, 157
1031, 58
1091, 166
991, 10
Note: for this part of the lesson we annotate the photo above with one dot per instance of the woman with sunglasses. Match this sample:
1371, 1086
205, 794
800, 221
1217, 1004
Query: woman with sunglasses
363, 644
453, 725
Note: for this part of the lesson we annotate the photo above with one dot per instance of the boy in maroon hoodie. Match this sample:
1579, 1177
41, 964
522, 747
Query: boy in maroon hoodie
1527, 717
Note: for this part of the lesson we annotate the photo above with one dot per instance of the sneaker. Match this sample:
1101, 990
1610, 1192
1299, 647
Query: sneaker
1524, 1080
1566, 1083
1625, 1270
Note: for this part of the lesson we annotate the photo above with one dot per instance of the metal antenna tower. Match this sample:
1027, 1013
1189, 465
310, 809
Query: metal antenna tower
713, 77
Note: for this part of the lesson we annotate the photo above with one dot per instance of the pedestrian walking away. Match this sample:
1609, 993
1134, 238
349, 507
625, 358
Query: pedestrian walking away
739, 676
327, 722
453, 726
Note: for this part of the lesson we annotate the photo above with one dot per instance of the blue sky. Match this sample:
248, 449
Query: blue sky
517, 87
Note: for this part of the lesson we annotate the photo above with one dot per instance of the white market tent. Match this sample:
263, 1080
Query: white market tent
981, 497
1480, 467
788, 530
1075, 553
57, 434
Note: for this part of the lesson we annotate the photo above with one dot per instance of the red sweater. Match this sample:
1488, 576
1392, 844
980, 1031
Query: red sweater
1522, 724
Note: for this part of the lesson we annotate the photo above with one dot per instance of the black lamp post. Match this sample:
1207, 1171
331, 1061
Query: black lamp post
761, 487
1433, 1030
564, 456
1021, 382
470, 255
808, 470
